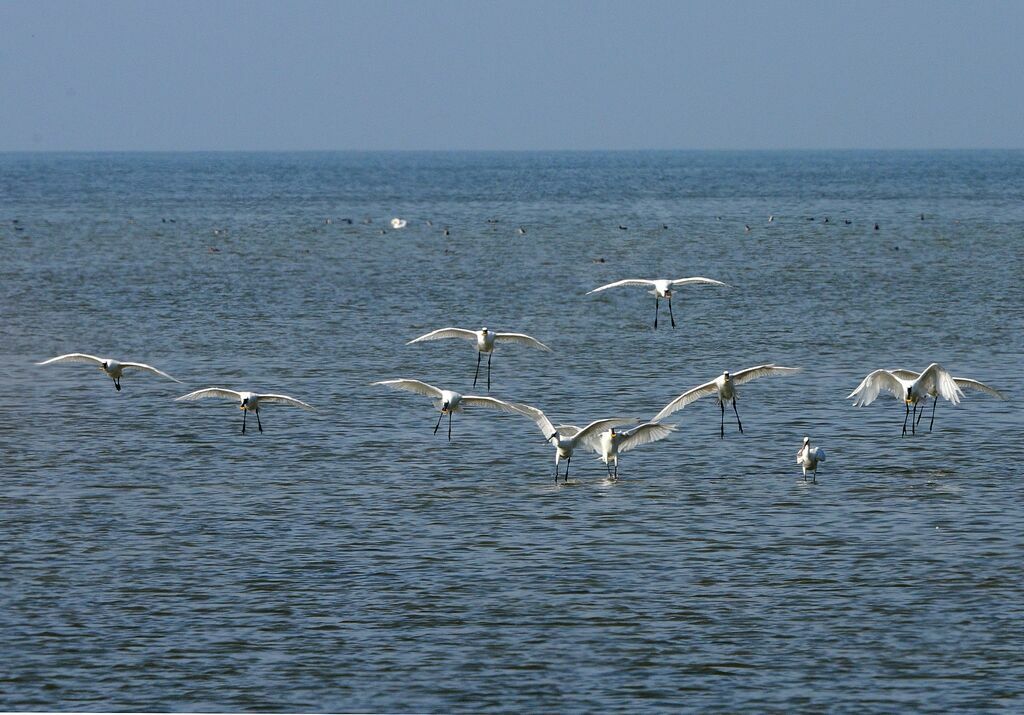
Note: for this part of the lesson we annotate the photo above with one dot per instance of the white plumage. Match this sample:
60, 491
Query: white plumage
448, 401
611, 443
808, 458
661, 288
247, 401
908, 386
723, 388
567, 438
114, 368
485, 342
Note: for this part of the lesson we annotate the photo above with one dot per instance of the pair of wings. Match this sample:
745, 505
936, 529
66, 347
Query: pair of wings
82, 357
442, 333
935, 380
580, 436
422, 388
233, 395
711, 388
641, 434
650, 284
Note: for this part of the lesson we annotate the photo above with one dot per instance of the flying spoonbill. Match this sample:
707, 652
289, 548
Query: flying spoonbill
448, 401
961, 382
935, 380
808, 458
113, 368
662, 288
723, 388
611, 443
566, 438
247, 401
485, 341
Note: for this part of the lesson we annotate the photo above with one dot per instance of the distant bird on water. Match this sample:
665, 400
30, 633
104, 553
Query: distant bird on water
247, 401
723, 388
662, 288
397, 223
808, 458
485, 342
113, 368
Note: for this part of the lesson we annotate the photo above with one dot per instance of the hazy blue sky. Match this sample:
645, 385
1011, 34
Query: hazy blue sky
510, 75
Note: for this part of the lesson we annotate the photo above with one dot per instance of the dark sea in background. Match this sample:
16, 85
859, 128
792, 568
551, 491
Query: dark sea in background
153, 558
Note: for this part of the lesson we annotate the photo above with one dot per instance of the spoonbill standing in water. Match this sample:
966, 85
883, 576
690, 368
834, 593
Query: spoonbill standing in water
247, 401
567, 438
808, 458
485, 341
113, 368
662, 288
448, 401
611, 443
723, 388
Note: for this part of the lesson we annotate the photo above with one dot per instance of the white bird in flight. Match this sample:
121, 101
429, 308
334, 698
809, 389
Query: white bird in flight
913, 387
485, 341
723, 388
808, 458
662, 288
567, 438
448, 401
611, 443
247, 401
113, 368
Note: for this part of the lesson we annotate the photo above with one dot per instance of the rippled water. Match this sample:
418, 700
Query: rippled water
155, 558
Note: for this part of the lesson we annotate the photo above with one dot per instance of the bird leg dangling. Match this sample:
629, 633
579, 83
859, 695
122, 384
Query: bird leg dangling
439, 418
905, 419
657, 305
117, 384
567, 463
913, 424
244, 413
489, 356
721, 432
477, 374
671, 317
737, 415
449, 425
932, 423
258, 423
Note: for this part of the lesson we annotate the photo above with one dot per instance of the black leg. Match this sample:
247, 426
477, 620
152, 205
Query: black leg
439, 418
737, 415
567, 462
932, 423
657, 304
721, 432
905, 420
117, 385
449, 425
475, 376
913, 424
556, 469
671, 317
258, 423
244, 415
489, 356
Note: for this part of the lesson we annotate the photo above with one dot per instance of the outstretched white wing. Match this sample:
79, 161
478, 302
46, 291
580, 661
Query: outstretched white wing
521, 339
539, 418
698, 279
645, 434
491, 402
625, 282
594, 429
908, 375
210, 392
420, 388
147, 368
283, 400
73, 357
936, 379
442, 333
752, 373
567, 430
878, 381
965, 382
705, 390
